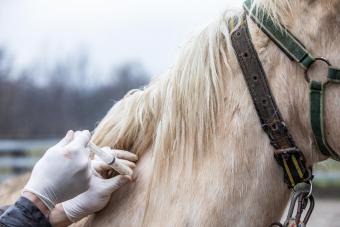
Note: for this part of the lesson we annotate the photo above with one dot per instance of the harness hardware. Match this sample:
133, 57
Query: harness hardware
302, 196
296, 51
287, 154
297, 175
322, 59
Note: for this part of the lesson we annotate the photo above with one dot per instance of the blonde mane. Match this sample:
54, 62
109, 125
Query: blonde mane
276, 9
177, 114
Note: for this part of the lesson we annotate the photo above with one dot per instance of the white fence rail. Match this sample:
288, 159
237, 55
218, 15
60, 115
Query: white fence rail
19, 156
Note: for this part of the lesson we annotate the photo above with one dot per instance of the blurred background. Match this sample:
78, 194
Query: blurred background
63, 64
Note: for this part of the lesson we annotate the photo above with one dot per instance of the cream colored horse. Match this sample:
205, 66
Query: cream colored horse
204, 159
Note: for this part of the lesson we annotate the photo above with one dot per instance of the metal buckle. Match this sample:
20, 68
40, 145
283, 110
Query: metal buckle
285, 153
322, 59
273, 129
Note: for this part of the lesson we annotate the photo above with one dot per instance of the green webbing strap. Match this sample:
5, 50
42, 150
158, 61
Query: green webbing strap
334, 74
316, 116
292, 47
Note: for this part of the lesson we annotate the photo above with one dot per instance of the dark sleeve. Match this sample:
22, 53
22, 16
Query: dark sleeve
23, 214
3, 209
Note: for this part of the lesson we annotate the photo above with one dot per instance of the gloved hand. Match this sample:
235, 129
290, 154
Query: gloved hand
64, 170
99, 193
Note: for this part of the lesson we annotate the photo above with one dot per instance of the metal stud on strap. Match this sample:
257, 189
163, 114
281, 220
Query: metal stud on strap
289, 157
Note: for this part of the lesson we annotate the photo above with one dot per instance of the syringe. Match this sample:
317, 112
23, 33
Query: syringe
110, 159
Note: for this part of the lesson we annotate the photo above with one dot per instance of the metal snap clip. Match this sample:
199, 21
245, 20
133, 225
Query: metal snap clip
302, 196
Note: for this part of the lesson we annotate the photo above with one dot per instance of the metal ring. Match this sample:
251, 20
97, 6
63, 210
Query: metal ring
311, 189
322, 59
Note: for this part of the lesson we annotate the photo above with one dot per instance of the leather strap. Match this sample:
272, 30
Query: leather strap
286, 41
287, 154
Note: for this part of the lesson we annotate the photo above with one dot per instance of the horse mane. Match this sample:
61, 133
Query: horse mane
276, 9
179, 110
177, 114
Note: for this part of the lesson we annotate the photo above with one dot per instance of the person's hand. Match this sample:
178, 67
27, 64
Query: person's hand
64, 170
99, 193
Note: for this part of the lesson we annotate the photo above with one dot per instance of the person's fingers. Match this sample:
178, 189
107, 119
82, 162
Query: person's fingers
126, 155
121, 154
131, 165
105, 171
101, 169
122, 167
67, 139
117, 182
81, 138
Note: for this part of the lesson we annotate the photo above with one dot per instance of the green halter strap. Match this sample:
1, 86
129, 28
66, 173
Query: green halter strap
296, 51
334, 74
291, 46
317, 112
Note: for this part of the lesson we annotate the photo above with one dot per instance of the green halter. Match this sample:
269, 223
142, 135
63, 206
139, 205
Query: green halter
317, 90
296, 51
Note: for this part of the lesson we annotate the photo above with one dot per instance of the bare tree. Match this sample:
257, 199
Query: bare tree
28, 110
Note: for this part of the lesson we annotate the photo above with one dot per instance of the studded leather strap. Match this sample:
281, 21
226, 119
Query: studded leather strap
287, 154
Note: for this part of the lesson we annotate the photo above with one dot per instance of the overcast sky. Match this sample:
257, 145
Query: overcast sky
111, 31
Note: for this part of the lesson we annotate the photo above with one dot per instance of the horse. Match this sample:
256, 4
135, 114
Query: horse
204, 159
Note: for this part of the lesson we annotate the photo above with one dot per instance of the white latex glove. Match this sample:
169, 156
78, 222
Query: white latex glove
99, 193
64, 170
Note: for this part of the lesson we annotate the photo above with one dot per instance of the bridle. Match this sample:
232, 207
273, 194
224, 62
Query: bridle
297, 175
296, 51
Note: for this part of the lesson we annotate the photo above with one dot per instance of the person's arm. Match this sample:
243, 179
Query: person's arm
98, 194
58, 217
37, 202
25, 213
62, 165
94, 199
3, 209
44, 188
